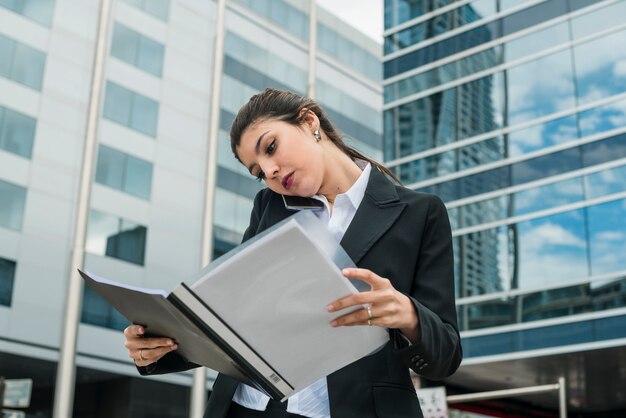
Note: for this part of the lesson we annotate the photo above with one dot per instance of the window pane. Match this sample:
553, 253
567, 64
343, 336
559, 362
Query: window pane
530, 97
7, 46
129, 244
483, 262
117, 103
597, 20
7, 277
12, 202
606, 182
603, 118
150, 56
38, 10
28, 66
601, 67
157, 8
541, 136
551, 250
138, 178
124, 44
110, 167
145, 114
17, 132
111, 236
607, 232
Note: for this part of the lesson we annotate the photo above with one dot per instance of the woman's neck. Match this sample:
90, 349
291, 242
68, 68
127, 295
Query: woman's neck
339, 175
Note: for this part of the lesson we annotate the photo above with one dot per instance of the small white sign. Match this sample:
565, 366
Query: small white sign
17, 393
433, 402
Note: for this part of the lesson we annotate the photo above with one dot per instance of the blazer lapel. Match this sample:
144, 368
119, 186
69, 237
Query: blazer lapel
377, 212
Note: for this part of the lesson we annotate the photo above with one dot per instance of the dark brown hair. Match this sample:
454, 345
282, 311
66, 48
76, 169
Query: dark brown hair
288, 107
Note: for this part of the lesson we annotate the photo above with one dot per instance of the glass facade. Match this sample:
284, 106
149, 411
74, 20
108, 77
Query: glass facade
146, 201
513, 113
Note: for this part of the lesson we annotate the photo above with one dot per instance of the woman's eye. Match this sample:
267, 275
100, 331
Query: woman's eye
260, 176
271, 147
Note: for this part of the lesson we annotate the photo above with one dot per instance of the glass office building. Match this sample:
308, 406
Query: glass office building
147, 196
514, 113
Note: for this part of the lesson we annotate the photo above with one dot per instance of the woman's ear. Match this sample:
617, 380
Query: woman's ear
310, 119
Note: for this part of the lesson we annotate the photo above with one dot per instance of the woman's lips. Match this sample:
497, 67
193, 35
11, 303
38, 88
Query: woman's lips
287, 181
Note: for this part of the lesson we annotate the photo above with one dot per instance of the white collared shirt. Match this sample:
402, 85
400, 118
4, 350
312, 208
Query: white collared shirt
312, 401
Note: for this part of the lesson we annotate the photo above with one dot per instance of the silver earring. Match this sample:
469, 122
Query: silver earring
317, 135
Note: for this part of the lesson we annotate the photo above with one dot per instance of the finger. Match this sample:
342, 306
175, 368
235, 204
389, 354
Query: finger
363, 298
365, 275
359, 317
134, 330
151, 355
148, 343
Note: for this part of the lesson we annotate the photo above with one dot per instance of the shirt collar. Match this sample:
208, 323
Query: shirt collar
356, 192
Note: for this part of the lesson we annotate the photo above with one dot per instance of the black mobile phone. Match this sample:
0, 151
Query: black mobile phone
299, 203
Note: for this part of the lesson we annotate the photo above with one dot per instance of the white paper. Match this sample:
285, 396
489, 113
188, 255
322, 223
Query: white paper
274, 293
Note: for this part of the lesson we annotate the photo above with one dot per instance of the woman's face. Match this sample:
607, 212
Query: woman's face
288, 158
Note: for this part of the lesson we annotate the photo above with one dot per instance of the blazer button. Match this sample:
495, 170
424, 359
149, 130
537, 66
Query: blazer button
415, 359
420, 367
421, 362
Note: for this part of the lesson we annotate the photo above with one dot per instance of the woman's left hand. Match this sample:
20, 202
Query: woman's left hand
388, 307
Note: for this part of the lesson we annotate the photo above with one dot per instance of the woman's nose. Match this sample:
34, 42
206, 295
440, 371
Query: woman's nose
270, 169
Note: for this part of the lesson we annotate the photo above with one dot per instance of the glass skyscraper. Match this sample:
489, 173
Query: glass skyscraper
514, 113
147, 198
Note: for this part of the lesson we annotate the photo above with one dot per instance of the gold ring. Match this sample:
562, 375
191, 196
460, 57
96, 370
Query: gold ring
141, 355
369, 312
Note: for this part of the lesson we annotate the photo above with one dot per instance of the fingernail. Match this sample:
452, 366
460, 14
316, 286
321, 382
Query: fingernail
330, 308
333, 324
170, 342
174, 347
140, 330
345, 271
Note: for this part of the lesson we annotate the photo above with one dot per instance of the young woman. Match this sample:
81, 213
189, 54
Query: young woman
399, 239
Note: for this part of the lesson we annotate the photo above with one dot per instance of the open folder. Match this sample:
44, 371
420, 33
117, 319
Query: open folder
258, 313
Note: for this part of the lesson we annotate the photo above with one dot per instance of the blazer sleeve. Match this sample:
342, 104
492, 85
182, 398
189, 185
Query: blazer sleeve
438, 353
174, 362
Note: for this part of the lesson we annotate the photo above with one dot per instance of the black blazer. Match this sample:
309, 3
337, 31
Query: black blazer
401, 235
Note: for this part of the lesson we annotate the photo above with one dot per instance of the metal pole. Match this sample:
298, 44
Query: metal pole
506, 393
312, 48
198, 388
64, 388
562, 398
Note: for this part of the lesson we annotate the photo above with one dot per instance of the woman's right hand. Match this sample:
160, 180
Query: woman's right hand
146, 350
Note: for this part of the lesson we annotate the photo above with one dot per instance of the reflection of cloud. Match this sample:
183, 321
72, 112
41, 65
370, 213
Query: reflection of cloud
609, 236
550, 253
619, 70
531, 95
541, 269
594, 55
550, 234
607, 252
